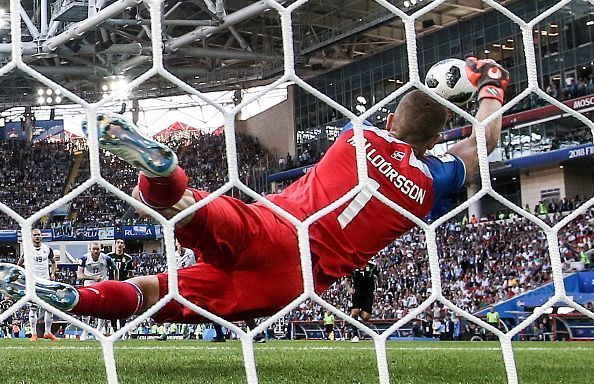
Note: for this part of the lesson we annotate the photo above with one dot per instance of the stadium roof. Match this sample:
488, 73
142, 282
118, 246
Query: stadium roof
178, 126
210, 44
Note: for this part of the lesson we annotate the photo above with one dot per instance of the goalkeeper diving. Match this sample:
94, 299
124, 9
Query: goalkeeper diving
250, 264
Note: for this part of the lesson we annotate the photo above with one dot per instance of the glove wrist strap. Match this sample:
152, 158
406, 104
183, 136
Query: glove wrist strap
491, 92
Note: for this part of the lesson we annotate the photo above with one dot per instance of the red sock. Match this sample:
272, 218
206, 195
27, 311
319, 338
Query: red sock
108, 300
163, 192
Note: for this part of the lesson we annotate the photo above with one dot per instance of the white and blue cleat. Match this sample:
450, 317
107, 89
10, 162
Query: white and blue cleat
123, 139
12, 284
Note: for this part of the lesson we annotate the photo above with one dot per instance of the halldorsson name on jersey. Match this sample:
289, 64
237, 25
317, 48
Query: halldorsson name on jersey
404, 184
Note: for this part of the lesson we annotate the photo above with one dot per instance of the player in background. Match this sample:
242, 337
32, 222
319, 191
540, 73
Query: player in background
94, 267
122, 271
364, 282
219, 334
250, 257
45, 267
184, 257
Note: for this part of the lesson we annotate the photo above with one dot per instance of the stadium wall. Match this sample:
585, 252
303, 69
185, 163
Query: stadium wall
578, 179
152, 245
275, 127
539, 182
557, 182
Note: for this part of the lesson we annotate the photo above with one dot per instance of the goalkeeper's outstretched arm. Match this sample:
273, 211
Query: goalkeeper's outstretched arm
466, 149
491, 80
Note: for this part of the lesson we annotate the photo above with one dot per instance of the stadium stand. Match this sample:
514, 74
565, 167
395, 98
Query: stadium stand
457, 126
53, 171
33, 175
202, 156
481, 265
512, 258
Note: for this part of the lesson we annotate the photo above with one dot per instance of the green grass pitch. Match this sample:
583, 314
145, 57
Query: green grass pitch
191, 361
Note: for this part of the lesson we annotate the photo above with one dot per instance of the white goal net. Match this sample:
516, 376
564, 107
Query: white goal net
415, 81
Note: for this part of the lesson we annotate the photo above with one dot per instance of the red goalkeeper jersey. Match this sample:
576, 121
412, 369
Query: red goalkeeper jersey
250, 261
350, 235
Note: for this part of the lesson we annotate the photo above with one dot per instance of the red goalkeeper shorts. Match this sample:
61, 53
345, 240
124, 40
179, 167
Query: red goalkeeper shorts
249, 266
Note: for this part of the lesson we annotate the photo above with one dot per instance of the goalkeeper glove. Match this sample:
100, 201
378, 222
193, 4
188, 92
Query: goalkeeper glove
490, 78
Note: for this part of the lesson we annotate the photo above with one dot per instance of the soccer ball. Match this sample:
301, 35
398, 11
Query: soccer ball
448, 79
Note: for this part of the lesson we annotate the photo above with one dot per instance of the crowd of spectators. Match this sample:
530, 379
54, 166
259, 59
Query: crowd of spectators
553, 207
205, 160
203, 157
149, 263
481, 264
306, 156
33, 176
37, 174
582, 87
96, 206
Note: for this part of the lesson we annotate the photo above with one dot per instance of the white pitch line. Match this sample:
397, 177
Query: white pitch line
272, 348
